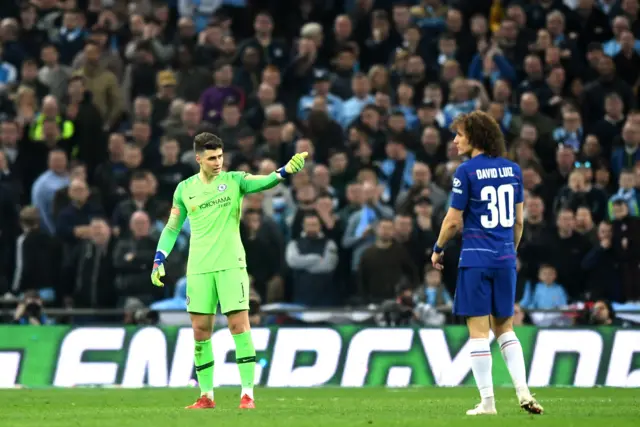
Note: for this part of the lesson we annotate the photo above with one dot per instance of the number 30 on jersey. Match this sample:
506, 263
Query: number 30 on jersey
500, 202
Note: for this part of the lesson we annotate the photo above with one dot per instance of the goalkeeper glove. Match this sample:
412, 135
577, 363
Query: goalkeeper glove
158, 269
294, 165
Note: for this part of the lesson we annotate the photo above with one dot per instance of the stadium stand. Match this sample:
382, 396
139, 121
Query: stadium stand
100, 101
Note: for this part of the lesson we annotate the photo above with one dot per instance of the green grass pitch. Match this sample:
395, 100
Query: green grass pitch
317, 407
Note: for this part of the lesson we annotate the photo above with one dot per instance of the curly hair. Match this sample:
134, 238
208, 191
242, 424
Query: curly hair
482, 131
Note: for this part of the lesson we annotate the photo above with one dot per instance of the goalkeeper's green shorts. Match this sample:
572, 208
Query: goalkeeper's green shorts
230, 288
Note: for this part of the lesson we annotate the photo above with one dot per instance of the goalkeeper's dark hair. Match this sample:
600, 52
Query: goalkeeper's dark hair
206, 141
482, 131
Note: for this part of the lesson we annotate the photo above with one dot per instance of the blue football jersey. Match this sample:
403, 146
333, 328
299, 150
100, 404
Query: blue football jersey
487, 190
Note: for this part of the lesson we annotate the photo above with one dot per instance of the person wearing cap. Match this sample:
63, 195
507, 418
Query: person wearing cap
321, 86
161, 101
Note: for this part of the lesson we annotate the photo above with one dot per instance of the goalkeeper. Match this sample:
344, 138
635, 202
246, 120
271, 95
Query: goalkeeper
216, 269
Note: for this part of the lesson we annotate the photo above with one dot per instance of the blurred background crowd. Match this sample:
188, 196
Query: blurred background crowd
100, 100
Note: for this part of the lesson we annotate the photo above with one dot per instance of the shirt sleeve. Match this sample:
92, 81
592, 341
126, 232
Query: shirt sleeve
460, 189
174, 224
255, 183
519, 187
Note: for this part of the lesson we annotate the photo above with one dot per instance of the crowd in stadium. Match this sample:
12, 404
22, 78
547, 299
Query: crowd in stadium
100, 101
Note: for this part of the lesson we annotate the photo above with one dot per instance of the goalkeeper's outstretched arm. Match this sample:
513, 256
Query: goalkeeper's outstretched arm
256, 183
171, 231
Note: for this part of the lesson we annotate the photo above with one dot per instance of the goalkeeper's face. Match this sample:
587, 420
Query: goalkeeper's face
210, 161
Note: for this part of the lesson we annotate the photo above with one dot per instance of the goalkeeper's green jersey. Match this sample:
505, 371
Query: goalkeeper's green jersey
214, 216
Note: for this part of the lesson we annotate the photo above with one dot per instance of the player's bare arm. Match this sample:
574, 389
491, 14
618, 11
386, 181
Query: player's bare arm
451, 225
518, 226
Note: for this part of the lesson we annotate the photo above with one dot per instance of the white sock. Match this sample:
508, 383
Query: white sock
247, 391
209, 394
513, 357
481, 367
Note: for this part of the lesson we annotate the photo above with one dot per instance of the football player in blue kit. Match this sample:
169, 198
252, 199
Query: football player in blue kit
487, 206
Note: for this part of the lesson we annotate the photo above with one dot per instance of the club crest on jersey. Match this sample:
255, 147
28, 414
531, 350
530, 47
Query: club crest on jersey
222, 187
456, 182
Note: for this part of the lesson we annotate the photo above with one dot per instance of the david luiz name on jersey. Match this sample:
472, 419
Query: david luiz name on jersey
504, 172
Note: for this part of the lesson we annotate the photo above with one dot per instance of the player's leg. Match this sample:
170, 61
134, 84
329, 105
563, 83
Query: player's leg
202, 302
473, 300
233, 291
510, 347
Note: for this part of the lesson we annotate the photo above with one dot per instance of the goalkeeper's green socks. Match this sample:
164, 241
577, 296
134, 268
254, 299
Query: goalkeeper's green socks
204, 367
246, 360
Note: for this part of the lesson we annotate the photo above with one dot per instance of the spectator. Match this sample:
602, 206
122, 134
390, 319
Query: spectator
520, 318
578, 193
359, 233
629, 154
117, 97
132, 259
231, 125
54, 75
383, 264
103, 85
313, 258
85, 117
71, 36
140, 200
45, 187
263, 246
421, 186
29, 78
72, 224
627, 192
595, 92
433, 292
34, 247
107, 58
626, 235
585, 226
29, 311
171, 170
566, 249
413, 241
222, 90
8, 73
571, 132
602, 314
90, 269
396, 170
547, 293
352, 107
535, 226
601, 266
